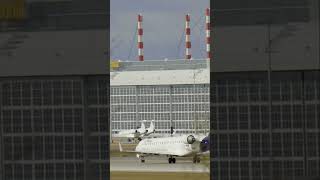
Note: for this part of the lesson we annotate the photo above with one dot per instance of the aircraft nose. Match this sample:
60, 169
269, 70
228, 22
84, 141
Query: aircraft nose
205, 144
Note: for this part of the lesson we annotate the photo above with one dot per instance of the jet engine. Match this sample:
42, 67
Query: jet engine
190, 139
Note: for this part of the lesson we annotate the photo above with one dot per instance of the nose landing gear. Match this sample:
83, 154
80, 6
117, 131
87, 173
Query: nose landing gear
141, 158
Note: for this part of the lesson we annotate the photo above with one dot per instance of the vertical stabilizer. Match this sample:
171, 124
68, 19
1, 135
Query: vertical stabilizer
152, 127
143, 127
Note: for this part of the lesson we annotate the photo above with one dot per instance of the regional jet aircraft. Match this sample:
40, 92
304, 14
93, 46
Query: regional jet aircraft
175, 146
137, 133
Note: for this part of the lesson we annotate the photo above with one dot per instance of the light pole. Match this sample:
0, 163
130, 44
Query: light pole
269, 51
272, 42
194, 105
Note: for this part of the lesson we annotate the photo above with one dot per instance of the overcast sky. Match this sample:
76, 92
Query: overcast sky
163, 24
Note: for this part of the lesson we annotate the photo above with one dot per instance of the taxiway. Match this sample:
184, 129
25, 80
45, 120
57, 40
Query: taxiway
155, 164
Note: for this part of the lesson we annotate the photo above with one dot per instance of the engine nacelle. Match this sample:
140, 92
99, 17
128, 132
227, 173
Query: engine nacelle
190, 139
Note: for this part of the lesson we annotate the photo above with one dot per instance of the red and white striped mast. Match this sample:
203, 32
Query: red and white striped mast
188, 42
208, 33
140, 42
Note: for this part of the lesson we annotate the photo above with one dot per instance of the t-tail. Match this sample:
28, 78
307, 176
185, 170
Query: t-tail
143, 127
141, 131
151, 129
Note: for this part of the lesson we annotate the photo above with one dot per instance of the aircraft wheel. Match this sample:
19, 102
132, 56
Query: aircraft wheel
194, 160
142, 160
174, 160
169, 160
198, 160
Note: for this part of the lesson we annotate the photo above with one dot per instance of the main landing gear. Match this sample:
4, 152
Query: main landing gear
196, 159
172, 160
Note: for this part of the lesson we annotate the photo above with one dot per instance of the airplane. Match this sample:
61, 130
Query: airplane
158, 135
137, 133
174, 146
150, 130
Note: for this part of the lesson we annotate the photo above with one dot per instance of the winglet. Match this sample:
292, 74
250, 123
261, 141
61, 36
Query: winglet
120, 147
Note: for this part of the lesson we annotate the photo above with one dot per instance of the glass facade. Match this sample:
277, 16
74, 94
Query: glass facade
244, 146
54, 127
184, 107
44, 132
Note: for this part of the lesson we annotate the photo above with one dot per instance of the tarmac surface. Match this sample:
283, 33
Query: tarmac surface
155, 164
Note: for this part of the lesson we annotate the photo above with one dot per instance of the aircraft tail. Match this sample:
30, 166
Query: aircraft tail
152, 127
143, 127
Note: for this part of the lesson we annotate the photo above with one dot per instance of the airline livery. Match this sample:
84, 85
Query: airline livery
175, 146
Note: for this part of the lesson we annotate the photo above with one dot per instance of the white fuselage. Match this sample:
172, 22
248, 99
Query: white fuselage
131, 133
136, 133
173, 146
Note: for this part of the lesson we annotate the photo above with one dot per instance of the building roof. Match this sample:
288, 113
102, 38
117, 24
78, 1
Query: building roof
154, 65
161, 72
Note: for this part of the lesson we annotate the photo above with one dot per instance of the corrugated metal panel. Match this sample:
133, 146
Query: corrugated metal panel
198, 76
